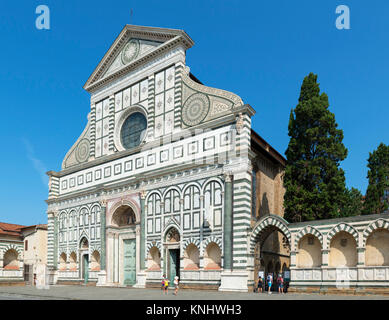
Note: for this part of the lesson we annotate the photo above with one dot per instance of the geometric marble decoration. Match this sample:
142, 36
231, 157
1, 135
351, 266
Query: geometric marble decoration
195, 109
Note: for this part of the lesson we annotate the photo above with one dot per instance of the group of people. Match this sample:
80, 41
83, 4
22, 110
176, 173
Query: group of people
165, 285
269, 282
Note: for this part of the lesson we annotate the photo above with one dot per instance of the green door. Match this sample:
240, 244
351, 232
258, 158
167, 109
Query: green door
174, 265
86, 268
129, 262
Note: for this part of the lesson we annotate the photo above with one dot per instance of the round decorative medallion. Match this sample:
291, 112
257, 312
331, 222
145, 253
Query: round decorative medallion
82, 151
130, 51
195, 109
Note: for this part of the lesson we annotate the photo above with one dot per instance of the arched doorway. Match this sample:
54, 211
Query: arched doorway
270, 248
122, 244
172, 251
84, 258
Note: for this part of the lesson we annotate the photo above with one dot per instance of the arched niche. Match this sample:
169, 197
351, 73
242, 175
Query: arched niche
212, 257
124, 216
309, 252
343, 250
154, 259
377, 248
191, 257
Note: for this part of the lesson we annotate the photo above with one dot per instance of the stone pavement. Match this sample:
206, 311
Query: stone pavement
67, 292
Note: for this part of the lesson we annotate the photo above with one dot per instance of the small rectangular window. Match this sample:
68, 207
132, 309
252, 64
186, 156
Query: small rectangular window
26, 245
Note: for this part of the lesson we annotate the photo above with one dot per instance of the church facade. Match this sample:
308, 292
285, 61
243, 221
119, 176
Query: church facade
168, 178
164, 177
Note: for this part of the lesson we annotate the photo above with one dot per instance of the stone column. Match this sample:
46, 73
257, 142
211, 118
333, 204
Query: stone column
227, 238
142, 230
102, 275
55, 251
103, 215
324, 257
141, 276
361, 256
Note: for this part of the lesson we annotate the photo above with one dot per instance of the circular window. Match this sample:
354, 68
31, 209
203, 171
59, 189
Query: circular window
133, 130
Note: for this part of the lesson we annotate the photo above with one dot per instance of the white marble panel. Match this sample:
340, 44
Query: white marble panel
169, 122
170, 77
105, 146
105, 108
169, 100
126, 98
98, 148
99, 129
159, 104
135, 94
159, 82
105, 127
144, 90
118, 101
158, 126
99, 110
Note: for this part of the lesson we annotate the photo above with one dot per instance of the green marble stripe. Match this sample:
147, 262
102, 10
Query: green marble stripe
227, 225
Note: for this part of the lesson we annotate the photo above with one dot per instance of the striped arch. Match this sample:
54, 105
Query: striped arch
342, 227
210, 239
170, 189
189, 241
269, 221
150, 193
151, 245
309, 230
377, 224
214, 179
18, 249
191, 184
94, 248
172, 223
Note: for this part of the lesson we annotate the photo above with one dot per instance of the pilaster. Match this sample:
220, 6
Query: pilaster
227, 237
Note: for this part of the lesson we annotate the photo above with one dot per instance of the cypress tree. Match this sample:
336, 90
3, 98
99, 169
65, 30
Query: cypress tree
353, 204
376, 200
315, 185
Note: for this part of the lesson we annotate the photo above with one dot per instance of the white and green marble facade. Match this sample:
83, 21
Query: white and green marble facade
194, 161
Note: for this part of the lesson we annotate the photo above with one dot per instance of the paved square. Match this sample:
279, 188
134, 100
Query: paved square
107, 293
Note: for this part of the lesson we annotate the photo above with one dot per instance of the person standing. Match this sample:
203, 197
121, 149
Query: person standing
280, 282
176, 281
163, 284
260, 284
166, 285
269, 282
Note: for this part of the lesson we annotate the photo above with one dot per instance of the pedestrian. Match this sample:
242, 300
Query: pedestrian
176, 281
269, 283
280, 282
260, 284
166, 285
163, 284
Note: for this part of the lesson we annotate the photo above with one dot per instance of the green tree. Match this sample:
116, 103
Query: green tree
315, 185
353, 204
376, 200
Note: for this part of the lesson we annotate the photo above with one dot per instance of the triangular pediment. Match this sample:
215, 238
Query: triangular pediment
134, 46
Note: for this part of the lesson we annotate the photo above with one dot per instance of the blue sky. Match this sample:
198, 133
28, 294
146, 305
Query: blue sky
260, 50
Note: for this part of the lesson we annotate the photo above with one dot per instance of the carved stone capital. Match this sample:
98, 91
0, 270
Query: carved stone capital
52, 213
103, 203
143, 194
228, 177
